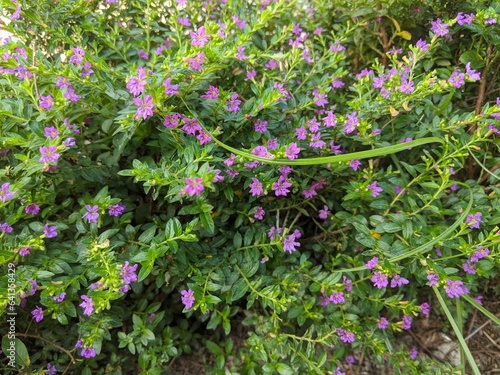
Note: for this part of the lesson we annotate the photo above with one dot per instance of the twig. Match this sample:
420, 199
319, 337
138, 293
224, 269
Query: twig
50, 342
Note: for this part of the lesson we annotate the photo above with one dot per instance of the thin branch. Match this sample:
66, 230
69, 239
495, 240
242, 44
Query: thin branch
49, 342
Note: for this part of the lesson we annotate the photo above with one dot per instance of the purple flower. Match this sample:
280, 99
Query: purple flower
324, 212
136, 84
116, 209
37, 314
379, 280
5, 227
330, 119
88, 353
143, 54
240, 55
184, 21
145, 107
128, 273
465, 19
274, 232
289, 243
260, 126
5, 194
78, 54
347, 283
50, 231
433, 279
79, 344
191, 126
87, 305
345, 336
281, 186
196, 62
60, 297
34, 287
336, 46
251, 74
471, 73
439, 28
455, 289
425, 308
490, 21
398, 281
69, 142
199, 37
169, 88
259, 213
372, 263
211, 93
422, 44
413, 353
407, 322
233, 103
46, 102
92, 213
187, 298
354, 164
337, 371
87, 70
320, 100
478, 299
337, 82
51, 369
256, 187
383, 323
51, 132
292, 151
376, 190
337, 298
301, 133
469, 268
457, 79
406, 86
474, 220
352, 122
49, 155
240, 24
194, 186
479, 254
25, 251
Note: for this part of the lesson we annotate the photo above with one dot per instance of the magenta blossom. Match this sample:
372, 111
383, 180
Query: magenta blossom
194, 186
379, 280
199, 37
5, 193
46, 102
383, 323
187, 298
116, 209
87, 305
454, 289
289, 244
398, 281
281, 186
145, 109
37, 314
259, 213
128, 273
49, 154
92, 213
376, 190
439, 28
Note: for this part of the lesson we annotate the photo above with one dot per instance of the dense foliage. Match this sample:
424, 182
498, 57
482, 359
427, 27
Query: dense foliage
313, 174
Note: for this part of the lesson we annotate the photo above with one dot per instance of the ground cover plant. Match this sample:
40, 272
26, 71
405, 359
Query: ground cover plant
315, 174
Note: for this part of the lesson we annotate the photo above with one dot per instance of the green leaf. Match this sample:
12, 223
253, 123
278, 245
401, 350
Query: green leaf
148, 234
208, 222
12, 345
284, 369
475, 59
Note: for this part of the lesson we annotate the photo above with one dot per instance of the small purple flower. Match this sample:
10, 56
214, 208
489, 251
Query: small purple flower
469, 267
34, 287
233, 103
337, 298
301, 133
274, 232
352, 122
406, 86
146, 106
478, 299
379, 280
251, 74
398, 281
324, 212
88, 353
199, 37
259, 213
50, 231
471, 73
337, 371
422, 44
78, 54
194, 186
187, 298
383, 323
289, 244
281, 186
330, 120
69, 142
413, 353
49, 154
292, 151
46, 102
465, 19
260, 126
92, 213
425, 308
184, 21
372, 263
211, 93
143, 54
240, 55
407, 320
256, 187
354, 164
60, 297
79, 344
87, 305
37, 314
474, 220
5, 227
347, 283
25, 251
116, 209
5, 194
51, 133
151, 317
376, 190
51, 369
136, 84
457, 79
439, 28
454, 289
479, 254
337, 83
128, 273
169, 88
433, 279
345, 336
196, 62
490, 21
